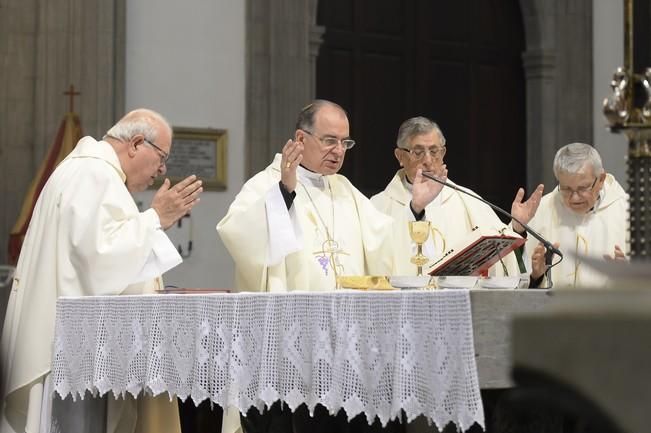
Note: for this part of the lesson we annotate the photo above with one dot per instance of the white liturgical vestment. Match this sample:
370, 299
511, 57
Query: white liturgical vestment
330, 229
452, 217
86, 237
592, 234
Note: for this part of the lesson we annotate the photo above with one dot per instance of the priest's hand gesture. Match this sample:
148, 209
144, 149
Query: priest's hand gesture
425, 190
524, 211
618, 255
538, 266
171, 204
292, 156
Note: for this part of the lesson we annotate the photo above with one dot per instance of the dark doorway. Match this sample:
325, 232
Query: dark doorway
458, 63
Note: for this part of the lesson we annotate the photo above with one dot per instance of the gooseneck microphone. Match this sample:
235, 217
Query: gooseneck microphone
550, 249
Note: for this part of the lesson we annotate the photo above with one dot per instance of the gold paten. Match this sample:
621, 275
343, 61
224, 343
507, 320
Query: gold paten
364, 282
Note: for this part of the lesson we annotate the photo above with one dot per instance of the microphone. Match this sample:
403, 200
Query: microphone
550, 249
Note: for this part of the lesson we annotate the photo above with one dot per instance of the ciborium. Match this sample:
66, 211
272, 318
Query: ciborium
419, 232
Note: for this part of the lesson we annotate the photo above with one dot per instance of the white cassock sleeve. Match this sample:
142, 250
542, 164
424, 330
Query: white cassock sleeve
162, 258
112, 244
286, 237
245, 230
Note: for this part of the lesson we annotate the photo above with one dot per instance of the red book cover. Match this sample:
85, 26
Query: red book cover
475, 255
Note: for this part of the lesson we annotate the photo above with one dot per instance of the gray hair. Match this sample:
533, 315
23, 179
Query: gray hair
139, 121
417, 126
571, 158
305, 120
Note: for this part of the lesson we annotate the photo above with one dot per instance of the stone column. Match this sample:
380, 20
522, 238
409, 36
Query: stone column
558, 72
281, 50
539, 68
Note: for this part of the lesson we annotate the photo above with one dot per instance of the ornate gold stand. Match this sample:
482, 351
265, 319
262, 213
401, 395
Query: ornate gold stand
628, 110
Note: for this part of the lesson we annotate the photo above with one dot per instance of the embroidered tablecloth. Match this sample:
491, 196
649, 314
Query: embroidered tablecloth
377, 353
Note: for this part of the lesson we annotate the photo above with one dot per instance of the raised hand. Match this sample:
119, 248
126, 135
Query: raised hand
524, 211
292, 155
618, 255
171, 204
425, 190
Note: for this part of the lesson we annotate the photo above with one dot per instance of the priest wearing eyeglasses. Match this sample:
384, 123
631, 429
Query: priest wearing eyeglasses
298, 224
586, 214
87, 237
453, 215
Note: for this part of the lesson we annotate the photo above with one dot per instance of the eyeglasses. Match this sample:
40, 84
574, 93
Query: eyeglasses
435, 152
330, 142
164, 156
581, 190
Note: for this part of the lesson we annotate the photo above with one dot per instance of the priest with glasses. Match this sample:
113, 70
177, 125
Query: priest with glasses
421, 146
586, 215
298, 224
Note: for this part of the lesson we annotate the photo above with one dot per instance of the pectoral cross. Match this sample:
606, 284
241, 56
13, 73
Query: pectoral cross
328, 256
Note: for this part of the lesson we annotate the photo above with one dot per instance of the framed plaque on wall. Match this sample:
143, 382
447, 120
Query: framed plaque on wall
199, 151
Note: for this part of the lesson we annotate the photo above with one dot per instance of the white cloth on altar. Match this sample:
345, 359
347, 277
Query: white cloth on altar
276, 249
86, 237
377, 353
452, 216
593, 234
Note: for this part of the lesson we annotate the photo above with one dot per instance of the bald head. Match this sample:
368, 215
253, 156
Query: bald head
307, 116
140, 121
142, 140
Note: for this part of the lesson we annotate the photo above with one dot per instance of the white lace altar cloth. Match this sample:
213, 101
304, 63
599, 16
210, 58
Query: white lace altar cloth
370, 352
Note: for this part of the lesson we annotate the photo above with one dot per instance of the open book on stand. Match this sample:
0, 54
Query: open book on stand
476, 253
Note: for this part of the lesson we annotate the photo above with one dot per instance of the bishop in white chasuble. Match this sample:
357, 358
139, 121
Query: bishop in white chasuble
331, 229
298, 224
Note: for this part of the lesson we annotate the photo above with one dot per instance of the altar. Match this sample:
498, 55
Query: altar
421, 353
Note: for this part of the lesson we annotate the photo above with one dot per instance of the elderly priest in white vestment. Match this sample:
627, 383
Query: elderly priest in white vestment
298, 224
586, 214
452, 214
87, 237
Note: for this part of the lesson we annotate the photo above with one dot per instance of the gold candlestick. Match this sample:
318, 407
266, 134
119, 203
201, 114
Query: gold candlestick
419, 232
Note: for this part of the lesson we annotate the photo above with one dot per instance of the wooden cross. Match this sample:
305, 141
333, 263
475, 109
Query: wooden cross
71, 93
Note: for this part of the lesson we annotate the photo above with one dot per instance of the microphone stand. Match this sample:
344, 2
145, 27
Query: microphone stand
550, 249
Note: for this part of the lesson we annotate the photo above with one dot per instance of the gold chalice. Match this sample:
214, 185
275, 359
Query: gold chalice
419, 232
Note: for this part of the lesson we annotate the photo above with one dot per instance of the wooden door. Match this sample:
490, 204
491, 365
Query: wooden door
458, 63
